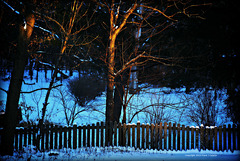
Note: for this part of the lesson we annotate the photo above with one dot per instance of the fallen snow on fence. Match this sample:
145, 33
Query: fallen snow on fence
120, 153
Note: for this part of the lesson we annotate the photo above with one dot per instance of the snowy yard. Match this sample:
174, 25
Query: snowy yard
121, 153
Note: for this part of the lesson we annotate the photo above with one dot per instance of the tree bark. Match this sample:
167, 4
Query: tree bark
20, 60
118, 98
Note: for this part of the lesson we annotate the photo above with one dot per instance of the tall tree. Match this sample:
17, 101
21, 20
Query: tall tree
124, 16
26, 20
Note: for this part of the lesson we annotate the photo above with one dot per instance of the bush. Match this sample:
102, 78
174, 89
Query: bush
86, 88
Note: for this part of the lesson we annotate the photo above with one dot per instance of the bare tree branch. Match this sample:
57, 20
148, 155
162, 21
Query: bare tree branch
27, 92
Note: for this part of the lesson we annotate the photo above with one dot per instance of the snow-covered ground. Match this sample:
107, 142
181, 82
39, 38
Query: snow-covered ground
173, 108
121, 153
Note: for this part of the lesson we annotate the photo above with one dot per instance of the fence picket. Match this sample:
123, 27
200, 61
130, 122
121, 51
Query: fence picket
229, 137
138, 135
197, 139
97, 137
234, 138
174, 136
188, 141
183, 138
129, 134
211, 139
202, 138
192, 137
215, 138
93, 135
224, 138
56, 137
152, 136
60, 129
165, 135
124, 134
156, 136
147, 136
74, 136
220, 139
143, 137
178, 137
133, 136
88, 135
169, 136
102, 134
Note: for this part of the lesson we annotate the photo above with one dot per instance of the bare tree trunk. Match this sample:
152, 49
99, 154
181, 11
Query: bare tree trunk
25, 31
110, 79
118, 97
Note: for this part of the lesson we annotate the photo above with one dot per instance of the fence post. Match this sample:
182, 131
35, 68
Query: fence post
156, 136
197, 138
234, 138
207, 138
133, 135
51, 136
152, 136
183, 137
147, 136
224, 138
178, 137
124, 134
143, 137
79, 136
29, 135
88, 135
93, 135
56, 137
160, 135
220, 138
25, 136
129, 134
34, 135
74, 136
238, 137
211, 138
165, 135
202, 137
192, 137
138, 134
102, 134
215, 139
60, 129
97, 137
169, 136
65, 137
84, 135
174, 136
69, 137
187, 142
20, 138
229, 137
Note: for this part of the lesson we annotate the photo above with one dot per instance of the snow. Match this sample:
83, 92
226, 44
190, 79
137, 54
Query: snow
120, 153
171, 105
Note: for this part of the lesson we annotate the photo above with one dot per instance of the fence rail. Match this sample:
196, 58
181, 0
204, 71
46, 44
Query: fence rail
143, 136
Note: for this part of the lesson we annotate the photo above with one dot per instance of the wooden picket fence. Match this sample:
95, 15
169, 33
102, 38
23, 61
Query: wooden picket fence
143, 136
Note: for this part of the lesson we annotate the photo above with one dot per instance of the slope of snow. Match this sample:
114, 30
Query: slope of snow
121, 153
